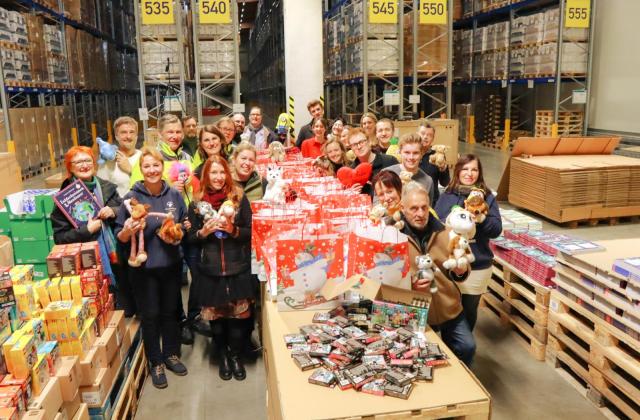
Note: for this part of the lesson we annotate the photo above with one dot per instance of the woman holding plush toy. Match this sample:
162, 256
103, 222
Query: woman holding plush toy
467, 189
157, 277
221, 225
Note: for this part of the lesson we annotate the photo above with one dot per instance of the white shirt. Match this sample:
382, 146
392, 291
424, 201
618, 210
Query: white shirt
110, 171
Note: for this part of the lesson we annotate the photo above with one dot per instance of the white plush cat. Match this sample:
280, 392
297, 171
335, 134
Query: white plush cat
386, 270
275, 185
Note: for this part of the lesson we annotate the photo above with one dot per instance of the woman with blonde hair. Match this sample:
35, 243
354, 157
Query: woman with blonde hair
243, 165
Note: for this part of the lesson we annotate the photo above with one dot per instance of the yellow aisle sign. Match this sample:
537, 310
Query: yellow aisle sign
157, 12
433, 12
383, 11
215, 11
577, 14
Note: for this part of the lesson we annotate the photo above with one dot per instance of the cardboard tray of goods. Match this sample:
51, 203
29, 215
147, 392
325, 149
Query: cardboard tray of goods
454, 392
569, 179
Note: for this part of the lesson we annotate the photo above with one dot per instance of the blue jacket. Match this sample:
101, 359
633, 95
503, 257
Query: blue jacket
159, 253
485, 231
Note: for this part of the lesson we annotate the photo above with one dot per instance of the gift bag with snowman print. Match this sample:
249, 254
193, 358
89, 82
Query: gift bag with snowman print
303, 266
380, 253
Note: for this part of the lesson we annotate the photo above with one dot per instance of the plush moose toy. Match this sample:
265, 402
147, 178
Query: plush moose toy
138, 213
170, 231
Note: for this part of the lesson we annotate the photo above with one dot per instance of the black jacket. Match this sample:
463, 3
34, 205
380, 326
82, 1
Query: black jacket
306, 132
224, 257
63, 230
439, 177
379, 163
159, 253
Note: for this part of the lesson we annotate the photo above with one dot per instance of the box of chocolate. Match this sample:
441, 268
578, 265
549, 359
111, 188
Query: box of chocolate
397, 391
322, 377
305, 362
89, 255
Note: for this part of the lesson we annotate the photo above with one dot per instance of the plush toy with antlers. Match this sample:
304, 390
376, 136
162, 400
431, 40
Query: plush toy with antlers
138, 212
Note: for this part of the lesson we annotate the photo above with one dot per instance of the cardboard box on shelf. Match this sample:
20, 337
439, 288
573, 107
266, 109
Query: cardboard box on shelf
82, 413
106, 345
70, 408
10, 174
50, 400
68, 374
34, 415
117, 322
94, 395
90, 367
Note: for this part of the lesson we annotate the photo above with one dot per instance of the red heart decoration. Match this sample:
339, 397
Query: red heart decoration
360, 175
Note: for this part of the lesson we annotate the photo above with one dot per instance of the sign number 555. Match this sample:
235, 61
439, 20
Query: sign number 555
577, 14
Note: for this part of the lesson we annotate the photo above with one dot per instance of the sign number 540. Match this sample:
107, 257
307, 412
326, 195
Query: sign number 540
383, 11
215, 11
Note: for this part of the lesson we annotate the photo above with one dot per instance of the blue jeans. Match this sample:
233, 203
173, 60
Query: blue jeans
458, 337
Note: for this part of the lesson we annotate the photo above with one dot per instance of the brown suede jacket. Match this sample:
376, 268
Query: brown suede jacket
446, 303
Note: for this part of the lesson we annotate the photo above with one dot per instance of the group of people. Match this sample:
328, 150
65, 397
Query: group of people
217, 251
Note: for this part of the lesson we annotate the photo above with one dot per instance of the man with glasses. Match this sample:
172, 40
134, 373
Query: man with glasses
316, 110
259, 135
361, 147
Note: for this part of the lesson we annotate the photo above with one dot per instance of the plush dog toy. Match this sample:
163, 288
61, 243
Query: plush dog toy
439, 158
228, 211
476, 205
376, 213
426, 271
170, 231
463, 228
276, 152
275, 192
107, 151
138, 213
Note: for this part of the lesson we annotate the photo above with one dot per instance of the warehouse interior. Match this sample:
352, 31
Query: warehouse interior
509, 81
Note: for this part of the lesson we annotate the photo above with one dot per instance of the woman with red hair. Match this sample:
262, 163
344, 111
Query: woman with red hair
227, 289
81, 165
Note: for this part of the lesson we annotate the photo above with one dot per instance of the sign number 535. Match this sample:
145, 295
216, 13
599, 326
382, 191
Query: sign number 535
157, 12
383, 11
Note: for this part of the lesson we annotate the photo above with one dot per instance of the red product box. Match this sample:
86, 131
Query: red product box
58, 248
12, 396
71, 262
104, 293
9, 413
54, 264
95, 307
24, 384
91, 281
90, 255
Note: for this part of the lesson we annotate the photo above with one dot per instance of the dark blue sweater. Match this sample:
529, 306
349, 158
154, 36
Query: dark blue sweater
159, 253
485, 231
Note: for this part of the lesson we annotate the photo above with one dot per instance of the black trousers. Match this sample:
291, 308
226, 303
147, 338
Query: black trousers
232, 335
125, 297
157, 291
470, 305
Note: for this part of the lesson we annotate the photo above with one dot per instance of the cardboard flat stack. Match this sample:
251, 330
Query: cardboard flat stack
565, 188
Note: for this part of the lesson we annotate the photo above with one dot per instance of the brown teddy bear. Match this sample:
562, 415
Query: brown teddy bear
476, 205
439, 159
170, 231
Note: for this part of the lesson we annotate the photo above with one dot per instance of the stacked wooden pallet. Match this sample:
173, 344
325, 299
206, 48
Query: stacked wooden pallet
594, 327
570, 123
492, 117
521, 303
581, 187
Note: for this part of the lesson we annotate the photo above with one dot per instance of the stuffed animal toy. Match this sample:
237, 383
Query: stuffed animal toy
170, 231
426, 271
205, 210
180, 172
463, 228
107, 151
377, 213
405, 177
349, 177
439, 159
276, 152
275, 192
228, 211
138, 213
394, 218
476, 205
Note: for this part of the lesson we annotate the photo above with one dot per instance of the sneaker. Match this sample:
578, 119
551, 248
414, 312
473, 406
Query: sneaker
158, 378
174, 364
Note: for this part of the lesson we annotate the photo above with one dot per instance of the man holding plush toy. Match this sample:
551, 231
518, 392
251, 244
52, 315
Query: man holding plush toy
437, 169
119, 170
427, 235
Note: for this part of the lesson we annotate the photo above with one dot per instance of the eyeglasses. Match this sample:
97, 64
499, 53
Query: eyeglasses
82, 162
359, 144
255, 115
229, 129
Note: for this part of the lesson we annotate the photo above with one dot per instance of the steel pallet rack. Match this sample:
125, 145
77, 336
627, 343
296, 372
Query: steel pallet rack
92, 110
162, 81
520, 93
216, 62
265, 78
348, 92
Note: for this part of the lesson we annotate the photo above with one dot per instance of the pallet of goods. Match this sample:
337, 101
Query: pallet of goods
570, 123
594, 324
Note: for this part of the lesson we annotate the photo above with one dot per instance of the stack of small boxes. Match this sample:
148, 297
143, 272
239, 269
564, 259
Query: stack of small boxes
15, 59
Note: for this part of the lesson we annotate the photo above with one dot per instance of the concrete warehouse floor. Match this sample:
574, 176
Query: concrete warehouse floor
520, 387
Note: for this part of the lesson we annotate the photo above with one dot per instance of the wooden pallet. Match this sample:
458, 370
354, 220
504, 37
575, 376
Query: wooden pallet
619, 397
511, 274
132, 387
491, 301
608, 221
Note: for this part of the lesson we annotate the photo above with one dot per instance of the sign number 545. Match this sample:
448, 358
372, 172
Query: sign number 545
383, 11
